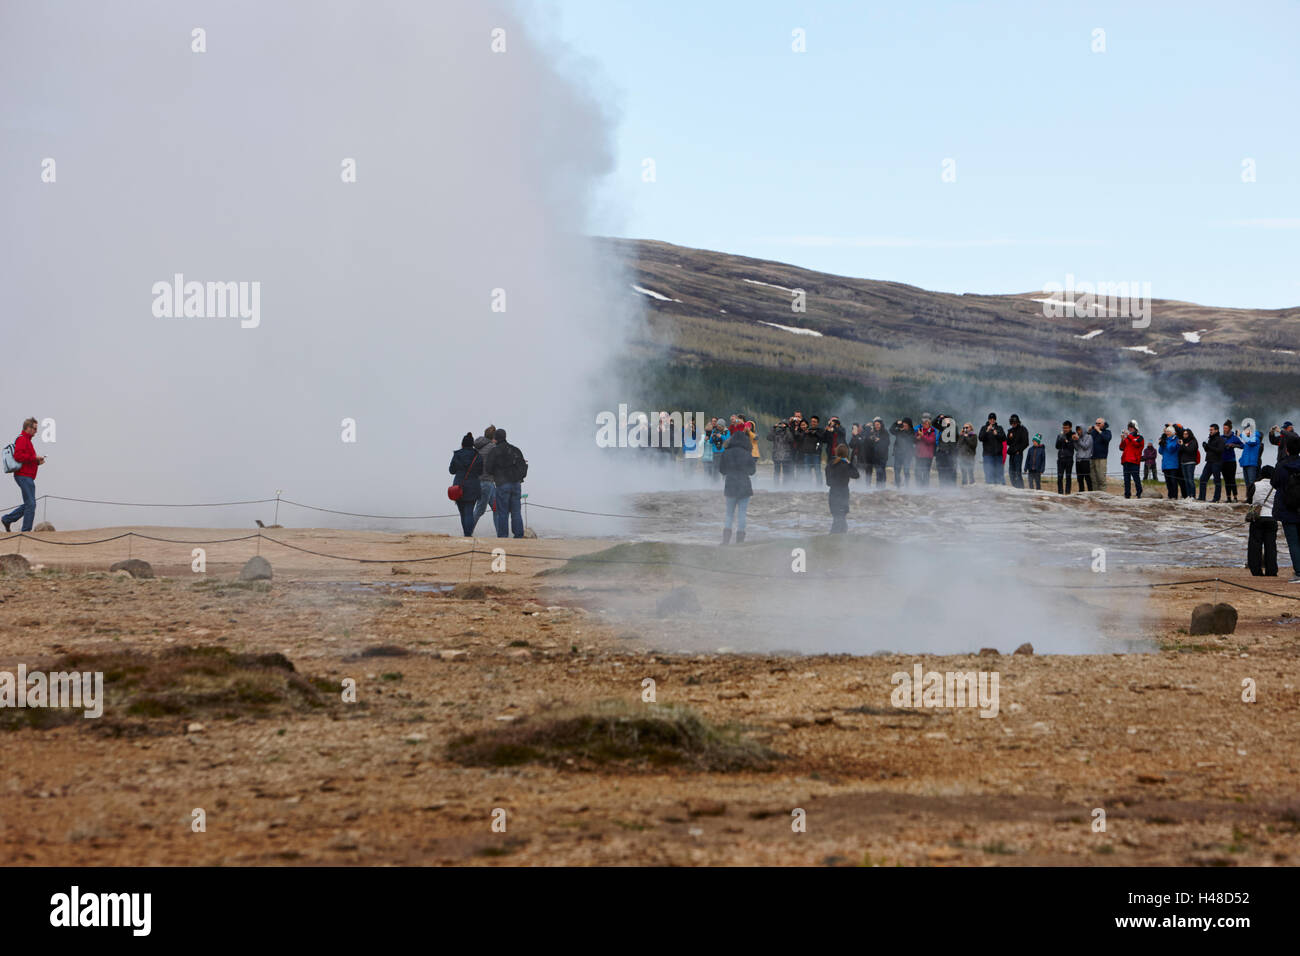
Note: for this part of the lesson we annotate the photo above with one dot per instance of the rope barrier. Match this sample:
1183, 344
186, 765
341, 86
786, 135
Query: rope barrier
354, 514
1165, 584
587, 560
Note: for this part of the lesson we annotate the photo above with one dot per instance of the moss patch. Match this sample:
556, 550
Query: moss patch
615, 734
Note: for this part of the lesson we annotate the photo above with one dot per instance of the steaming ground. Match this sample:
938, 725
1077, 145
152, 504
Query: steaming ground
934, 572
1025, 528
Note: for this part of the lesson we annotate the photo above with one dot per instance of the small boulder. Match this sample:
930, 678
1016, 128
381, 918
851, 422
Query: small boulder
678, 601
1213, 619
13, 564
989, 652
134, 567
1025, 648
257, 569
44, 526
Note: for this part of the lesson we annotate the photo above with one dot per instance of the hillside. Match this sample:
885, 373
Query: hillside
876, 339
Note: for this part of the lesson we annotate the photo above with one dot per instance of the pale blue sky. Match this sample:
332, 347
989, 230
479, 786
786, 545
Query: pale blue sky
1123, 165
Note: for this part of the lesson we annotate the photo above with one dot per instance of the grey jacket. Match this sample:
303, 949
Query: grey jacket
483, 446
1083, 448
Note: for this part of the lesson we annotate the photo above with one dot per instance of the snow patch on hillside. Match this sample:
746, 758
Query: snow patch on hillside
769, 285
1194, 337
653, 294
1139, 348
1090, 335
791, 328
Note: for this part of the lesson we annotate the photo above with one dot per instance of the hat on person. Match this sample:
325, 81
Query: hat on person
925, 416
1286, 425
878, 419
1015, 418
1038, 437
993, 415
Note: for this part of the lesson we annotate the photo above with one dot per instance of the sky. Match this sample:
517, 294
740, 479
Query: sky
1122, 165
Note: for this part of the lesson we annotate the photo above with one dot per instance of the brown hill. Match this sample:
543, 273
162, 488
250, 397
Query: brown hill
705, 306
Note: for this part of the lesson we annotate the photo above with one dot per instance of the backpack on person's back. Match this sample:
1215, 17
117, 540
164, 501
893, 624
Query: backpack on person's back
12, 464
508, 464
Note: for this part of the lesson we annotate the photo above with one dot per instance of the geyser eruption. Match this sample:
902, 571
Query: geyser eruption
367, 220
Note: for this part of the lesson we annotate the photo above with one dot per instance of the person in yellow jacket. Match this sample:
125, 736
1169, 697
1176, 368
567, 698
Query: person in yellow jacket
753, 439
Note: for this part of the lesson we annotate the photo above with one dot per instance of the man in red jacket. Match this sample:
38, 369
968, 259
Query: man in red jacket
1130, 458
25, 477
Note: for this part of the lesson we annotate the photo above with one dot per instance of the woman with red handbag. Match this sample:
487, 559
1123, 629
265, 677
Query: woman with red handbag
466, 465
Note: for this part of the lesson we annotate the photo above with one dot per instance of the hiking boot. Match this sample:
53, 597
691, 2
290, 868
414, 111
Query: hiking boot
6, 524
1295, 580
726, 536
740, 537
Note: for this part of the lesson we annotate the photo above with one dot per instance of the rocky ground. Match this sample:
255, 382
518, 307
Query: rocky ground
1186, 772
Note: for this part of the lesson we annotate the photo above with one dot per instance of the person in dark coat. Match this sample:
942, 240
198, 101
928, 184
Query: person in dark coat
992, 437
1036, 463
1231, 442
1213, 462
1064, 457
967, 444
1284, 510
467, 466
736, 465
878, 449
904, 450
783, 453
838, 472
1017, 443
945, 449
1187, 461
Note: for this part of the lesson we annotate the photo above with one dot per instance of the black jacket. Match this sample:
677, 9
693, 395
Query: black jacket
505, 463
858, 443
992, 437
1064, 447
782, 443
808, 442
737, 464
877, 448
1187, 450
831, 438
1213, 448
1017, 439
904, 443
838, 473
465, 460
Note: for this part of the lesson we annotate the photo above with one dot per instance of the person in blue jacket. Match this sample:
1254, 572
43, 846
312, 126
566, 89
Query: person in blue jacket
1231, 442
1169, 462
466, 465
1251, 449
